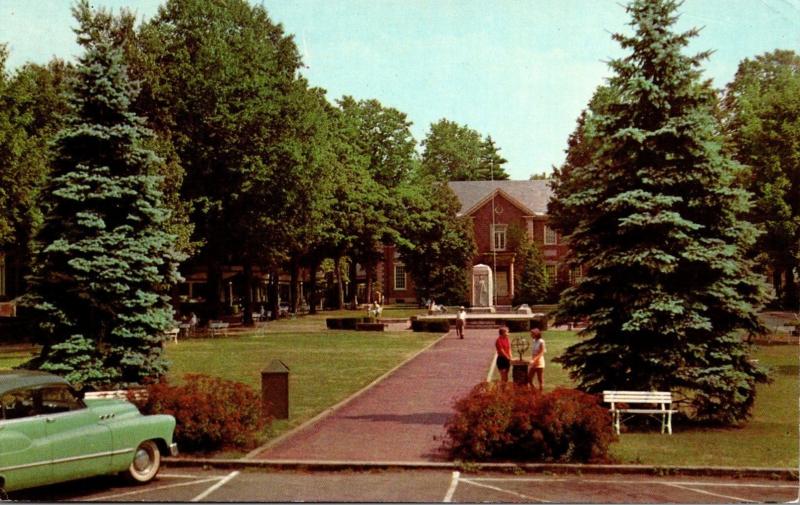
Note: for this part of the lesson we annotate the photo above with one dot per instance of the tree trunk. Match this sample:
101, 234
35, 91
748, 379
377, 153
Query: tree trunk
294, 274
272, 294
312, 287
790, 298
247, 273
213, 288
776, 281
353, 295
370, 275
338, 271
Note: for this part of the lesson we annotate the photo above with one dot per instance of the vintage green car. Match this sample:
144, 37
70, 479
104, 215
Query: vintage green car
49, 433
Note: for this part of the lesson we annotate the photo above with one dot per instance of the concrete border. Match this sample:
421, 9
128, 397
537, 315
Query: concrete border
566, 468
330, 410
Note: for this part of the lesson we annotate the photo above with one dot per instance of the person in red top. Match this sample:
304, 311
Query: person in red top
503, 346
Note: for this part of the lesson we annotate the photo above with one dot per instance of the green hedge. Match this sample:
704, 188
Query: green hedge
540, 323
430, 325
346, 323
516, 325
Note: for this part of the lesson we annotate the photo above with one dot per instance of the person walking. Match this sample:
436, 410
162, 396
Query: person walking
536, 368
461, 321
503, 347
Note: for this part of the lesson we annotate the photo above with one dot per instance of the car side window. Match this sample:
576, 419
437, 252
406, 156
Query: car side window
18, 404
59, 398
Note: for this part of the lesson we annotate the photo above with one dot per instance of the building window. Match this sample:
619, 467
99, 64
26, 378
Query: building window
576, 274
550, 236
399, 277
550, 273
499, 237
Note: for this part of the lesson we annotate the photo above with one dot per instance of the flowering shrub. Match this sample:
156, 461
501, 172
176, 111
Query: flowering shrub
211, 413
503, 422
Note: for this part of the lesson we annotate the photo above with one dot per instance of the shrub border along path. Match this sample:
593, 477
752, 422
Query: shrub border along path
440, 349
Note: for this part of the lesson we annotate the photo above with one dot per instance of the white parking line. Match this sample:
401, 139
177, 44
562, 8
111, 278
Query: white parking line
727, 497
514, 493
216, 486
612, 481
452, 489
186, 476
148, 489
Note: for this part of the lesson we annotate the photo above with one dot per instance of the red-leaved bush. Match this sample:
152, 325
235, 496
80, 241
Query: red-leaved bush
210, 413
498, 421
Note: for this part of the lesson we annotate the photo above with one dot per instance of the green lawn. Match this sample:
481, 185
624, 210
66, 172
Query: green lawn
325, 366
768, 439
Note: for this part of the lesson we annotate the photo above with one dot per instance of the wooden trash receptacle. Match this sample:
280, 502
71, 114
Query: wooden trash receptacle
275, 390
519, 372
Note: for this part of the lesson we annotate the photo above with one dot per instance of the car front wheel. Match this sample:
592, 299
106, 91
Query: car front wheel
146, 462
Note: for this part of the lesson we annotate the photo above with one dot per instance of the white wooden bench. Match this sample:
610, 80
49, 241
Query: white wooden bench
661, 398
172, 334
218, 328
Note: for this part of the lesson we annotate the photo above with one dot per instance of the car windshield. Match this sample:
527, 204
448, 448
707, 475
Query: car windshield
49, 399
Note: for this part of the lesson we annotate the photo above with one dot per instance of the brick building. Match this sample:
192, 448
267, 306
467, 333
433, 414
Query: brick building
519, 207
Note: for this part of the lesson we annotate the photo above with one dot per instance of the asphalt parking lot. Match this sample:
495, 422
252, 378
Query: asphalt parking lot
260, 485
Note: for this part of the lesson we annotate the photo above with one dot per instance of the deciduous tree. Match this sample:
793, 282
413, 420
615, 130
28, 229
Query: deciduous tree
762, 122
454, 152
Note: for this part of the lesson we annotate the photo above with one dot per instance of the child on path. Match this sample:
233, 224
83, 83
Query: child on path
503, 347
536, 369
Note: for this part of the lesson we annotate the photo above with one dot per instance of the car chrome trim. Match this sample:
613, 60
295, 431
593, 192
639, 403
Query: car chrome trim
173, 449
67, 460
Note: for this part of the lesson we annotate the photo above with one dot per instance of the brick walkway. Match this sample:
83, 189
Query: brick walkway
402, 417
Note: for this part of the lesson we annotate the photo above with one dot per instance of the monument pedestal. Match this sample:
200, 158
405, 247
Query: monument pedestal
519, 372
481, 310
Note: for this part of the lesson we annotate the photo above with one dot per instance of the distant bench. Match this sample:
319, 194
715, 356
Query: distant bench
661, 398
218, 328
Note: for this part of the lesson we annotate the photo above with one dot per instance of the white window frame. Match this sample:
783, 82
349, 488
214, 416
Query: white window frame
550, 236
397, 285
499, 230
576, 274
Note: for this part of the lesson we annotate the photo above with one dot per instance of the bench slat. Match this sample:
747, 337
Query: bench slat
645, 411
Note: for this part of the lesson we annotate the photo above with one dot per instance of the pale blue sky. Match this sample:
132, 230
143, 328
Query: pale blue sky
519, 70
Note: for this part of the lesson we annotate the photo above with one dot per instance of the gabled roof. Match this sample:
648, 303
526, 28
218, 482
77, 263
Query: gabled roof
532, 195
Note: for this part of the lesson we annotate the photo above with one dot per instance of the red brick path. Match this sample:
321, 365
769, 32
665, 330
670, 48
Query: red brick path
402, 417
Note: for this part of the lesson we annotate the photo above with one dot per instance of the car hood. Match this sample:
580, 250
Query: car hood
108, 407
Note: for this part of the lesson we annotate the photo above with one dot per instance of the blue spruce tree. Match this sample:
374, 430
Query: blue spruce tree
651, 213
105, 263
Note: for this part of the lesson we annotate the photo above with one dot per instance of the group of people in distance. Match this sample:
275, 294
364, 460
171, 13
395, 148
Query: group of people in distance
536, 366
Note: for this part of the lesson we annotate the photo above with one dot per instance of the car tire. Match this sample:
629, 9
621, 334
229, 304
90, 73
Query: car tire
146, 463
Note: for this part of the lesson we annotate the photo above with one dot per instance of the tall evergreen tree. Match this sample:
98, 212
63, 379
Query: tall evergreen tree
104, 262
654, 219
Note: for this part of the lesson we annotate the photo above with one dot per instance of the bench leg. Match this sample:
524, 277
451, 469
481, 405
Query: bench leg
616, 421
